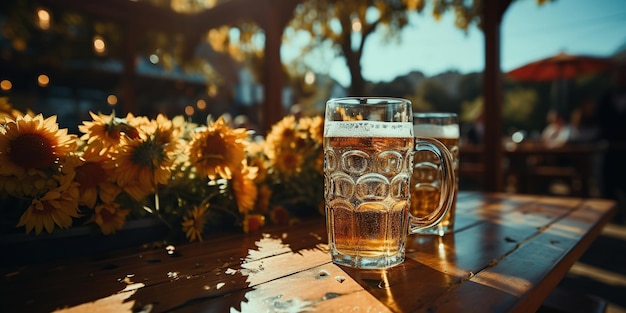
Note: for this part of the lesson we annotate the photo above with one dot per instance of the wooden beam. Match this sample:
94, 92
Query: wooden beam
274, 21
128, 103
493, 10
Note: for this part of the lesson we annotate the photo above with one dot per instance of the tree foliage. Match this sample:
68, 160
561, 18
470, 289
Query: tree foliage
346, 25
520, 104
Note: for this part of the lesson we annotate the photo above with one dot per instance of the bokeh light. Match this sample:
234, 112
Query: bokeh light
189, 110
201, 104
43, 19
212, 91
517, 137
6, 85
112, 100
309, 78
356, 25
43, 80
99, 46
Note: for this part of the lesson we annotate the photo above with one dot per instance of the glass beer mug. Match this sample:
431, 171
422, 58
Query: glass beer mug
426, 181
368, 163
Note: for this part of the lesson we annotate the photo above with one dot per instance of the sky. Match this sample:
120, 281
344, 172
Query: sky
528, 32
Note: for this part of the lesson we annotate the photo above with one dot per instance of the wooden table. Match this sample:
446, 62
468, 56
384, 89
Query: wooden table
506, 255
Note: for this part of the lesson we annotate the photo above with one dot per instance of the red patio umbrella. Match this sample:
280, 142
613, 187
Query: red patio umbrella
559, 67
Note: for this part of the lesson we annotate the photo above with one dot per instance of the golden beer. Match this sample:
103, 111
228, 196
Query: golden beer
426, 179
367, 178
368, 163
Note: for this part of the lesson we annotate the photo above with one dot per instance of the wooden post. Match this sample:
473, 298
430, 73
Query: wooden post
127, 84
493, 10
279, 13
272, 110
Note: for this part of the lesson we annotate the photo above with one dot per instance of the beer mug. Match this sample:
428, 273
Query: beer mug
368, 163
426, 182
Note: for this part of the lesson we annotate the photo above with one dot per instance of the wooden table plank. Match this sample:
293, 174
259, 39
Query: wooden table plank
526, 273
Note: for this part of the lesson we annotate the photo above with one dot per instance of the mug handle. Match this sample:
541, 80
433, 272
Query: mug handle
447, 190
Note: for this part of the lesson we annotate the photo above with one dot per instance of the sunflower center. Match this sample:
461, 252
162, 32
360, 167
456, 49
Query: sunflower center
90, 174
32, 151
148, 154
215, 145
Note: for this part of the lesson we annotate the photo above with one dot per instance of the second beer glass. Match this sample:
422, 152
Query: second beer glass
426, 181
368, 152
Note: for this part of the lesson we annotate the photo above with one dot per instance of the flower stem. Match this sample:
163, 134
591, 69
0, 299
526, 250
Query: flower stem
157, 208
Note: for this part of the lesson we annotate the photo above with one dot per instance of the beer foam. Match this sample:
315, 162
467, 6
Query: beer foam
368, 129
437, 131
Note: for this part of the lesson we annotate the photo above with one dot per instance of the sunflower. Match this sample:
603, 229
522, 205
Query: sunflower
136, 122
194, 221
38, 184
255, 148
144, 162
57, 207
182, 127
315, 126
281, 136
167, 131
262, 165
310, 134
284, 146
109, 217
245, 189
94, 179
138, 166
283, 130
288, 162
105, 132
29, 143
218, 150
256, 158
32, 185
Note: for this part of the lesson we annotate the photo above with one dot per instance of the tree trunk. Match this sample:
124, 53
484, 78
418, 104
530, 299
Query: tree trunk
357, 85
353, 58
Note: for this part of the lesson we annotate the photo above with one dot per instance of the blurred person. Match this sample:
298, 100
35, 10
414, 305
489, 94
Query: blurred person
612, 121
585, 123
476, 131
558, 132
